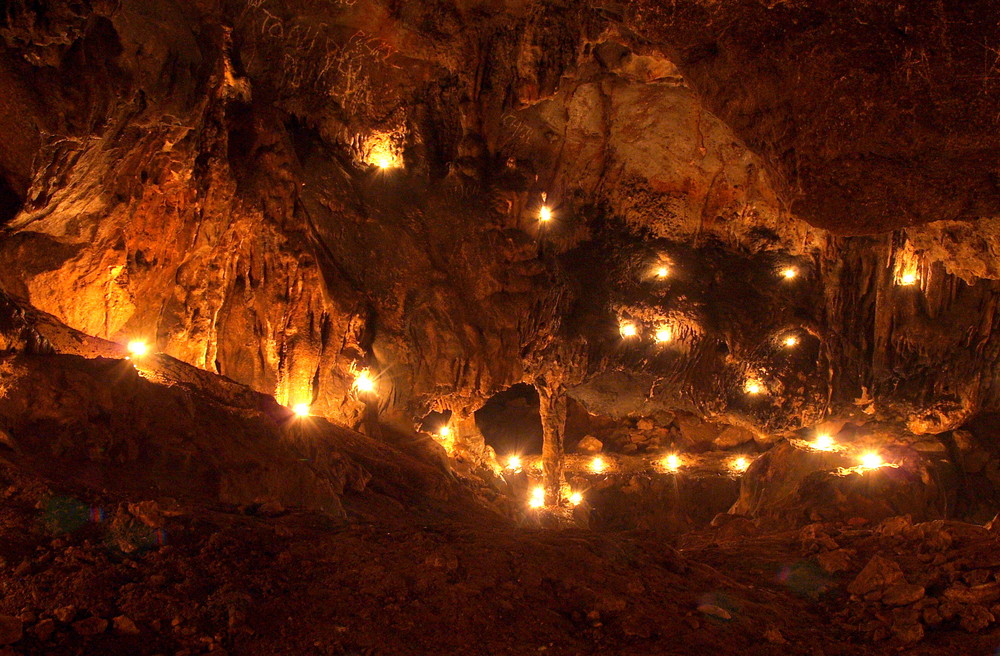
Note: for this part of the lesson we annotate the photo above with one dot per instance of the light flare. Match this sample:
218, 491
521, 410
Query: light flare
791, 341
823, 442
514, 463
138, 348
575, 499
908, 279
363, 382
662, 272
545, 213
753, 387
672, 462
537, 497
628, 329
301, 409
739, 464
663, 335
871, 460
597, 465
788, 273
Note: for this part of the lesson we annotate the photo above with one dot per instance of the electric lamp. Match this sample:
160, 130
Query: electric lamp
138, 348
444, 431
908, 279
871, 460
753, 387
537, 497
514, 463
739, 464
363, 382
662, 272
545, 213
628, 329
823, 442
575, 499
791, 341
789, 272
672, 462
301, 409
663, 335
597, 465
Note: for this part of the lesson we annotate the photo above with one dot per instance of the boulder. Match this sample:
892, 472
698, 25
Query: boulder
878, 574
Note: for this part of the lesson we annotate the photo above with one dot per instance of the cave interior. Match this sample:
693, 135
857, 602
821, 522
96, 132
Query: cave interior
399, 327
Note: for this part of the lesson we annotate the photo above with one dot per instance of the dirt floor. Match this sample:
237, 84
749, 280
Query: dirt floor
82, 574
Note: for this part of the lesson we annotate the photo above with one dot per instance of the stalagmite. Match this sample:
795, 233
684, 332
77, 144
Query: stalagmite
552, 397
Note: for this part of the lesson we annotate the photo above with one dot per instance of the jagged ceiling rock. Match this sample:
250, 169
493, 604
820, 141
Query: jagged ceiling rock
875, 115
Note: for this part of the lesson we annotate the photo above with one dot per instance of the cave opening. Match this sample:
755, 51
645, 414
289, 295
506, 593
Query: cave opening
10, 201
510, 422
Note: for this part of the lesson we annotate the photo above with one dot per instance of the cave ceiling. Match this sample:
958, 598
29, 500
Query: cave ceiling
206, 175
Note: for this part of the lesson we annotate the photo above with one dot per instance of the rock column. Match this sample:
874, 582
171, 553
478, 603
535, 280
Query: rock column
552, 397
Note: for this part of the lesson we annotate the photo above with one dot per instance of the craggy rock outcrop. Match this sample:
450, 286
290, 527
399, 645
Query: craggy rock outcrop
154, 427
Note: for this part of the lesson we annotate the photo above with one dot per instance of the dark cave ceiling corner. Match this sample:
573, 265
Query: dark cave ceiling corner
204, 176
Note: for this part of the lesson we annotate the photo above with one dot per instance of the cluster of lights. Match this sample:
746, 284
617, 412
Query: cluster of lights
663, 334
537, 499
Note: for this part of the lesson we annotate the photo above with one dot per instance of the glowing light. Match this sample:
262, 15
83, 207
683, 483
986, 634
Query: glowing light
138, 348
444, 431
514, 463
363, 382
871, 460
753, 387
597, 465
739, 464
382, 151
628, 329
790, 341
301, 409
908, 279
537, 497
789, 272
663, 335
662, 272
575, 499
545, 213
672, 462
823, 442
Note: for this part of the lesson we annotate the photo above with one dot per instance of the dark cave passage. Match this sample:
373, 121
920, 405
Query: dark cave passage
510, 422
